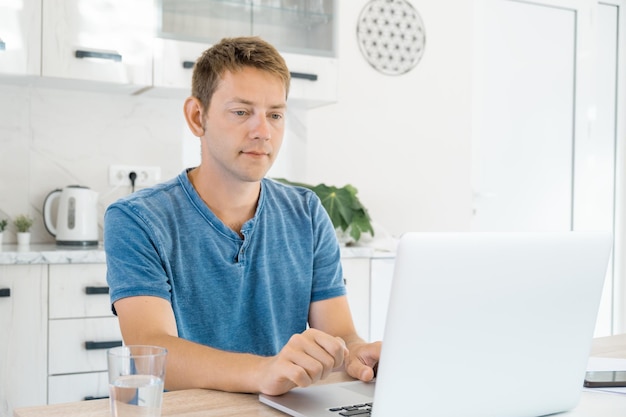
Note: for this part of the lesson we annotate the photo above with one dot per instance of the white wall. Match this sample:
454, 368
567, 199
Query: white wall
403, 141
52, 138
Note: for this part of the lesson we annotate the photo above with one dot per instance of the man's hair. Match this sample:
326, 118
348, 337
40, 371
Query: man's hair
233, 54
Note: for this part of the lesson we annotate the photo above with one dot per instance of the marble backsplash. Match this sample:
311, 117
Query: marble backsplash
51, 138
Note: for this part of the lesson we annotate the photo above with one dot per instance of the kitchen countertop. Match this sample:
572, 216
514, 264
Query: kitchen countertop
50, 253
365, 252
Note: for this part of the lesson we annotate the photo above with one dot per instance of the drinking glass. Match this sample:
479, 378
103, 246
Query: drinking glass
136, 379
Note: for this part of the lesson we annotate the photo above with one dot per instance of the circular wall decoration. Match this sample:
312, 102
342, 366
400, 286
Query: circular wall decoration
391, 36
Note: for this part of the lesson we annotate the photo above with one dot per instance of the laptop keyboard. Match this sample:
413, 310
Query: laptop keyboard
360, 410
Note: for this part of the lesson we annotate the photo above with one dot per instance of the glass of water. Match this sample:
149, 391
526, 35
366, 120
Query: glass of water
136, 377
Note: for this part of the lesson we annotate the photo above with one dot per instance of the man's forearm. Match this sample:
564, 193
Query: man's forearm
191, 365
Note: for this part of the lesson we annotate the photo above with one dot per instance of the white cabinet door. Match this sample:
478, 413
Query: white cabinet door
173, 65
356, 273
382, 274
303, 27
313, 80
23, 342
99, 40
20, 37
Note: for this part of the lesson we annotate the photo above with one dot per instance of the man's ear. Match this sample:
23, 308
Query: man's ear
194, 113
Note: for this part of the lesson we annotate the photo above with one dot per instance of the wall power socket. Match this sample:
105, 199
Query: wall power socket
146, 175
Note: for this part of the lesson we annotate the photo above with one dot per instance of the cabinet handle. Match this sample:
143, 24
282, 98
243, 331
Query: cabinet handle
304, 76
100, 55
188, 64
95, 397
5, 292
102, 345
96, 290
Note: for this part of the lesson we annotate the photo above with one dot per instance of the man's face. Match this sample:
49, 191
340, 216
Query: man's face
244, 125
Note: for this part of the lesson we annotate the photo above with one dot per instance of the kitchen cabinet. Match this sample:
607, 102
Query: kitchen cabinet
56, 323
302, 31
313, 79
81, 327
303, 27
381, 277
20, 38
173, 65
98, 41
368, 283
101, 44
356, 275
23, 322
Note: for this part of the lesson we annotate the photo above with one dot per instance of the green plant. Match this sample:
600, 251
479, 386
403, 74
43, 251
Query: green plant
23, 222
3, 225
343, 206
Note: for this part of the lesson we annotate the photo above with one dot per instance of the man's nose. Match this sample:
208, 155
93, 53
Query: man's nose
261, 128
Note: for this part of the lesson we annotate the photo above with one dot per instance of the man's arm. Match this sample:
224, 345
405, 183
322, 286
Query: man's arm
333, 316
305, 359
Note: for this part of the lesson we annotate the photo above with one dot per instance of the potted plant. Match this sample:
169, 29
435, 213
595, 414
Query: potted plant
3, 225
23, 223
348, 215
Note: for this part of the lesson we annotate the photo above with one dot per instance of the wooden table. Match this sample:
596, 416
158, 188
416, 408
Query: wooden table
207, 403
187, 403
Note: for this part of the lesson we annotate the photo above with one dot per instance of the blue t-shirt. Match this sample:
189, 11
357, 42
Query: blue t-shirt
247, 294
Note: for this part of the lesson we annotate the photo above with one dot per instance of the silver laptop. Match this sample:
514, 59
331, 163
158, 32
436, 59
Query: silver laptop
479, 324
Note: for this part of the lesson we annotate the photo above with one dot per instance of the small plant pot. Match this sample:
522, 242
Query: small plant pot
23, 238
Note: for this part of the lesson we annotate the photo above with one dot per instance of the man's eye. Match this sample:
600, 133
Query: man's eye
276, 116
240, 112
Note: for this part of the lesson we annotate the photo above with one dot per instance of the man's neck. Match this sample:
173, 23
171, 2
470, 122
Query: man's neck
234, 203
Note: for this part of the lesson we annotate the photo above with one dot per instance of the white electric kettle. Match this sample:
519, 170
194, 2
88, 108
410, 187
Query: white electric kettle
77, 216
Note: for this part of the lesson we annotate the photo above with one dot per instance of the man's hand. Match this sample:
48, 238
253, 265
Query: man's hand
362, 360
307, 358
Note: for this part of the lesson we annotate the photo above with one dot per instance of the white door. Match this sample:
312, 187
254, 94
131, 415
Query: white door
545, 117
609, 133
524, 108
595, 174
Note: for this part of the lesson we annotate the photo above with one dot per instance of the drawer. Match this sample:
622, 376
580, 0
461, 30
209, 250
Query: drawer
79, 290
78, 387
68, 352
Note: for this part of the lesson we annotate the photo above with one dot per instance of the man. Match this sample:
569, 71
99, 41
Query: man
224, 267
